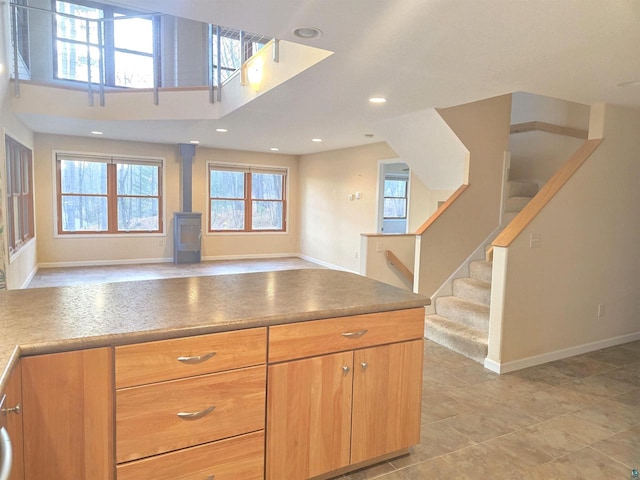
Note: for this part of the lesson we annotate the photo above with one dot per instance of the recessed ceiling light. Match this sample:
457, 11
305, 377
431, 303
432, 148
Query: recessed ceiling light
377, 100
308, 33
194, 142
632, 83
96, 132
222, 130
274, 149
317, 140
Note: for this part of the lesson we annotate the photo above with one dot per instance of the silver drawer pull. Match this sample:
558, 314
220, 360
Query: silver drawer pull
364, 365
211, 477
199, 359
196, 415
357, 334
6, 454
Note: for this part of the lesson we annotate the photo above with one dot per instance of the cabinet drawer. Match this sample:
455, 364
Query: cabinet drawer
230, 459
148, 420
185, 357
318, 337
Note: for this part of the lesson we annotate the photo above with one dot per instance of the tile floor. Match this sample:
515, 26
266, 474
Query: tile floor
577, 418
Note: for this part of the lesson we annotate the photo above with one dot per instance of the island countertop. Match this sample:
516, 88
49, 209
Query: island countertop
56, 319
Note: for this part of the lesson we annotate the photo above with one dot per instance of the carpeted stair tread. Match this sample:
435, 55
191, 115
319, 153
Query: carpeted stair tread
457, 337
481, 269
515, 204
474, 315
521, 189
473, 290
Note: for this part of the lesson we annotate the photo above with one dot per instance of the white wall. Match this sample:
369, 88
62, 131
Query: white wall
536, 155
53, 250
589, 255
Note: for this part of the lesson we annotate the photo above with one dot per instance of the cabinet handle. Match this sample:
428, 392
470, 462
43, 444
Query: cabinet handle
211, 477
357, 334
364, 365
196, 415
194, 360
345, 369
17, 409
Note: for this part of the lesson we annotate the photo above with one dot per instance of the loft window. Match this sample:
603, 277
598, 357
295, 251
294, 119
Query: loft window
227, 50
395, 197
127, 45
108, 194
247, 199
20, 226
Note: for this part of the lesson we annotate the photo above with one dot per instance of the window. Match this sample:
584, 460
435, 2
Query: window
229, 58
127, 45
108, 194
247, 199
395, 197
19, 194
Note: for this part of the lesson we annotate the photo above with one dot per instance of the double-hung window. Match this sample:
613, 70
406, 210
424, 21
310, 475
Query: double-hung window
247, 199
19, 221
395, 197
98, 194
114, 36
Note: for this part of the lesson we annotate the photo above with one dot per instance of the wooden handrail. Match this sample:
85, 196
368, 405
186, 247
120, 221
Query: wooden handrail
549, 128
546, 193
441, 209
402, 268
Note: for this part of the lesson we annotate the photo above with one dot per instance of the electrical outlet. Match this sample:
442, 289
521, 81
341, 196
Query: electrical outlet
379, 247
161, 242
535, 240
601, 310
356, 254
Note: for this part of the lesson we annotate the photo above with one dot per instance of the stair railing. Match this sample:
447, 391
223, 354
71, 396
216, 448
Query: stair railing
401, 267
546, 193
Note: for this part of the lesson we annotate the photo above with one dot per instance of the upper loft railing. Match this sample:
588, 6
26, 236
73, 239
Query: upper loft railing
106, 48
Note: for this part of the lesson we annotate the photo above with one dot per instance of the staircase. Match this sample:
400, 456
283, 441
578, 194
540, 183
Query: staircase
461, 320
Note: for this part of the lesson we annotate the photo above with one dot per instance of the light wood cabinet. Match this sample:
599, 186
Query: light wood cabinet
11, 419
177, 420
335, 410
68, 415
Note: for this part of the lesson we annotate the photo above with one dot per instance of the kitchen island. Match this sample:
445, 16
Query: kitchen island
284, 326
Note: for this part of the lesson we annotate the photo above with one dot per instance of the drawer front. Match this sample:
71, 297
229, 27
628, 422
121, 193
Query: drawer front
230, 459
318, 337
211, 407
185, 357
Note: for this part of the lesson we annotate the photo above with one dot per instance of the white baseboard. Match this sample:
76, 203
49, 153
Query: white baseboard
252, 256
326, 264
558, 354
30, 277
105, 263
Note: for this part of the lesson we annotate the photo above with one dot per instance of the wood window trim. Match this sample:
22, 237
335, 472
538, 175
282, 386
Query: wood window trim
248, 196
111, 196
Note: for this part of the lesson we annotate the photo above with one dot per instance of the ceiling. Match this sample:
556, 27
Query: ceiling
419, 54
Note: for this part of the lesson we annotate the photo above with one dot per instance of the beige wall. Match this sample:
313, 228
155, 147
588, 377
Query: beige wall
21, 266
331, 224
483, 128
152, 248
374, 260
588, 256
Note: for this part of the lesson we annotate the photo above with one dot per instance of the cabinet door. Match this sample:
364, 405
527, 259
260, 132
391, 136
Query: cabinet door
308, 416
12, 420
387, 396
68, 415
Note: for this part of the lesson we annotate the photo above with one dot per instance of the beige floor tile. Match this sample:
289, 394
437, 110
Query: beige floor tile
548, 374
617, 356
581, 366
435, 469
544, 404
435, 439
612, 414
438, 406
488, 423
631, 398
489, 461
604, 385
585, 464
375, 471
624, 447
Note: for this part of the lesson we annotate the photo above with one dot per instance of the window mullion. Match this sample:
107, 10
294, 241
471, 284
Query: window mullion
248, 203
112, 198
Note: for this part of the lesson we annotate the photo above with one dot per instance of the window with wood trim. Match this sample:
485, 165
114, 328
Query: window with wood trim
395, 197
19, 222
98, 194
247, 199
